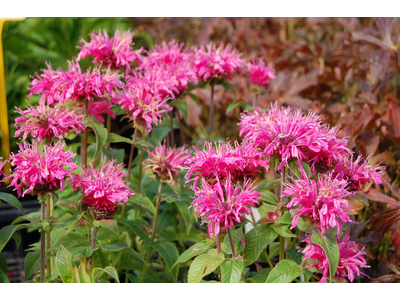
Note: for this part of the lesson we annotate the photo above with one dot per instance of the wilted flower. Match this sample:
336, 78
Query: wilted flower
259, 74
47, 122
321, 202
357, 174
115, 52
224, 204
216, 63
37, 172
103, 188
351, 259
283, 132
165, 163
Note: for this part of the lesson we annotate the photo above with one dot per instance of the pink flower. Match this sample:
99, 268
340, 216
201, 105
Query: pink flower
321, 202
350, 261
98, 108
61, 86
112, 53
2, 163
43, 121
103, 188
38, 172
357, 174
165, 163
221, 159
258, 73
223, 204
283, 132
216, 63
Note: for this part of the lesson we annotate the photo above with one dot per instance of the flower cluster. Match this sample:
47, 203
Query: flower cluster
322, 202
211, 62
38, 171
2, 163
165, 163
351, 259
114, 53
224, 203
47, 122
259, 74
103, 188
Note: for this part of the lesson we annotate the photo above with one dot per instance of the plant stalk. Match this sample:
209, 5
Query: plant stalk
231, 242
85, 139
42, 242
153, 233
49, 213
212, 110
255, 101
282, 201
219, 242
94, 237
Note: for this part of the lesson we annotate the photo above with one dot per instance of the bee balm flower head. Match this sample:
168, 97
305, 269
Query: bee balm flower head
259, 74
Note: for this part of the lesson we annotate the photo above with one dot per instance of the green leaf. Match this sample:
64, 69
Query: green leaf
100, 131
116, 138
228, 86
182, 105
4, 278
283, 230
110, 224
261, 277
170, 255
331, 249
64, 264
97, 272
194, 98
297, 256
32, 263
68, 222
187, 214
3, 263
7, 232
285, 219
80, 275
268, 197
195, 250
137, 227
204, 264
237, 238
256, 240
294, 167
284, 272
142, 201
10, 199
361, 198
268, 185
115, 247
17, 238
232, 270
233, 106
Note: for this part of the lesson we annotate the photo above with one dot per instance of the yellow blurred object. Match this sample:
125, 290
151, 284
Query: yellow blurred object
5, 139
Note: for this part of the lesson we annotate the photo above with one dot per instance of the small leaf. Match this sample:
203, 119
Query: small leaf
331, 249
261, 277
115, 247
283, 230
68, 222
237, 239
204, 264
32, 264
232, 270
10, 199
100, 131
142, 201
233, 106
228, 86
170, 255
115, 138
256, 240
268, 185
195, 250
285, 219
182, 105
97, 272
284, 272
268, 197
294, 167
110, 224
187, 214
64, 264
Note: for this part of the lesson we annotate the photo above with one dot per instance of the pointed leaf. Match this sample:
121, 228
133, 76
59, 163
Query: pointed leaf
110, 224
331, 249
268, 197
187, 214
142, 201
115, 138
97, 272
115, 247
7, 232
170, 255
100, 131
232, 270
195, 250
283, 230
256, 240
32, 264
284, 272
13, 201
64, 264
204, 264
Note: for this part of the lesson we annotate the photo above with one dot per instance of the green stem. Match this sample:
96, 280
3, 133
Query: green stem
85, 139
94, 237
90, 230
42, 242
282, 201
212, 110
153, 233
268, 259
49, 213
128, 176
231, 242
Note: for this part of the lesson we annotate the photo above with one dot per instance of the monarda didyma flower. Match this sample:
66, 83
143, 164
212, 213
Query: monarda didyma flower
165, 163
322, 202
259, 74
45, 122
351, 259
357, 174
103, 188
222, 205
2, 163
39, 172
114, 53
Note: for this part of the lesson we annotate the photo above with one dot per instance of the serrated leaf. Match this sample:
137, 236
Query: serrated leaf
283, 230
194, 250
32, 264
64, 264
13, 201
203, 265
142, 201
268, 197
116, 138
170, 255
232, 270
284, 272
331, 249
97, 272
256, 240
110, 224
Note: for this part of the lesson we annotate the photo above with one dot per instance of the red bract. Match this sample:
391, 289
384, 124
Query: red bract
165, 163
283, 132
357, 174
259, 74
240, 161
103, 188
62, 86
47, 122
321, 202
224, 204
37, 172
115, 52
216, 63
351, 259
